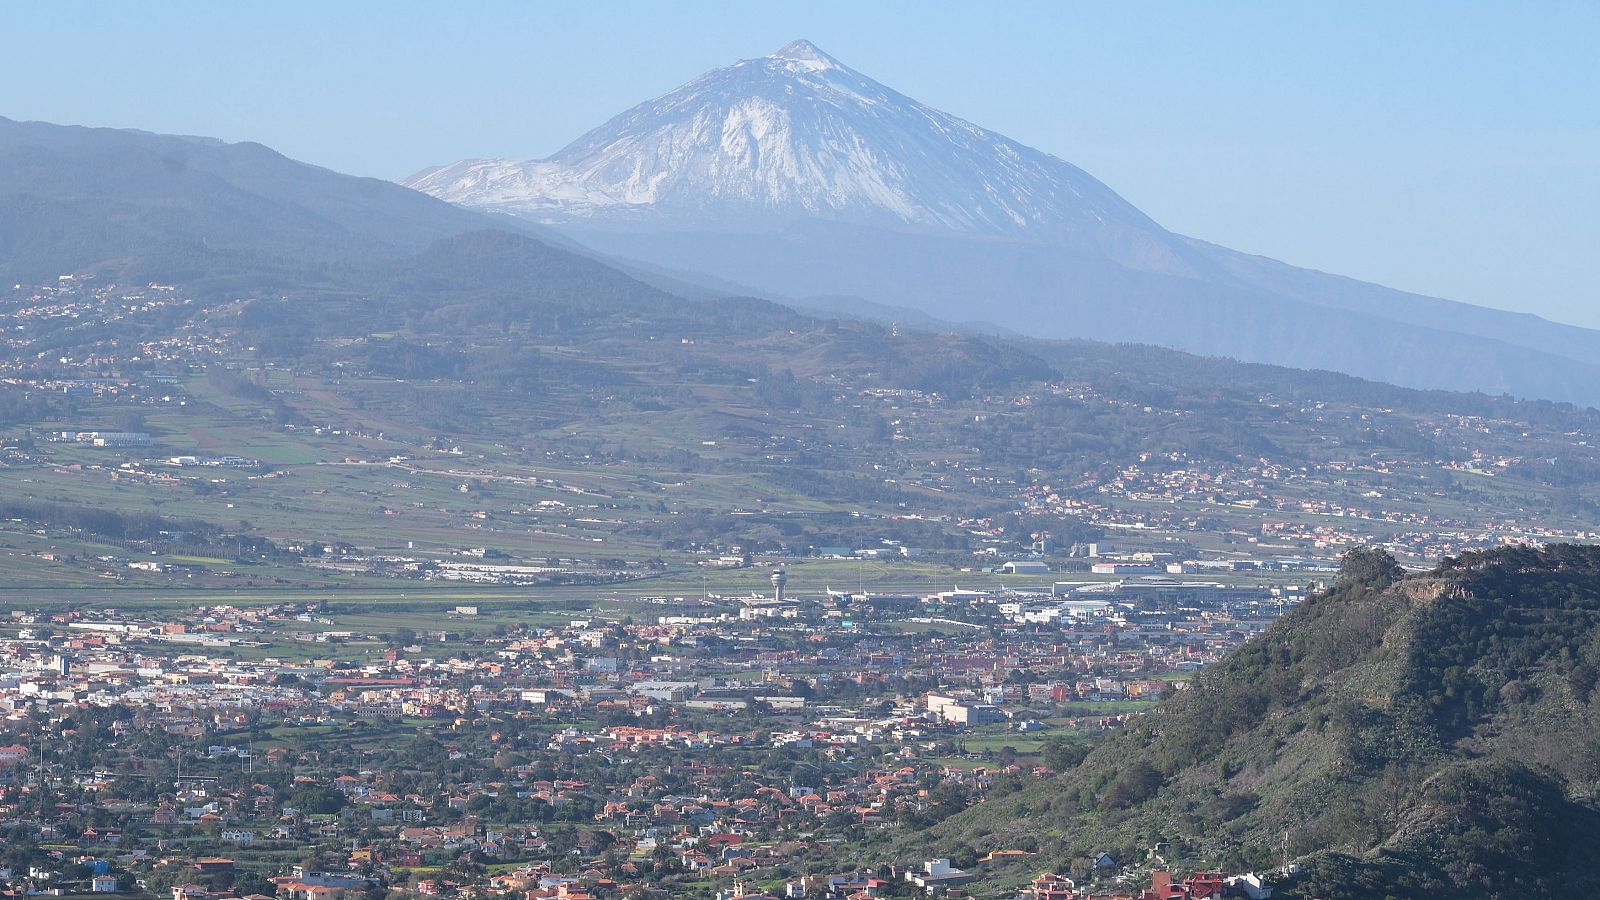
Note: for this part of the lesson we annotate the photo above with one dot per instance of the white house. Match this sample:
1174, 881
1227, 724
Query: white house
937, 875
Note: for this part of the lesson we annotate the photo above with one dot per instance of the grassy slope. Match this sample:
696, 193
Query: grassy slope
1432, 734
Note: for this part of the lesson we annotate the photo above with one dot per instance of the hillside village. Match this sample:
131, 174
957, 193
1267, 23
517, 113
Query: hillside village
172, 416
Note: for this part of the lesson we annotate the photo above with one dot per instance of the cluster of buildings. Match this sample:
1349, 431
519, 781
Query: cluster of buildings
35, 311
103, 438
1272, 510
711, 745
1163, 886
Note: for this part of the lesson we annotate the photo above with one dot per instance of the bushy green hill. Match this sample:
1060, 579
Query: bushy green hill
1436, 732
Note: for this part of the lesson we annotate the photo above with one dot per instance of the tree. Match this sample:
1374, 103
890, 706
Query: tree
963, 856
1137, 783
1061, 756
1370, 568
320, 800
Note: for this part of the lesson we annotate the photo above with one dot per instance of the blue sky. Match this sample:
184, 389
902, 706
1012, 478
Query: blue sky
1447, 148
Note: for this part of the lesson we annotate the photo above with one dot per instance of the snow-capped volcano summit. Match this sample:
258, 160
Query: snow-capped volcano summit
805, 53
794, 135
798, 177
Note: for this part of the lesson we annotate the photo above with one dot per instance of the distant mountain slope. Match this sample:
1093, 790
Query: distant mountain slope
1432, 735
1054, 292
801, 177
179, 207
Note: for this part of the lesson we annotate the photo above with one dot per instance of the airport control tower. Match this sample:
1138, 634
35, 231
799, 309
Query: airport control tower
779, 579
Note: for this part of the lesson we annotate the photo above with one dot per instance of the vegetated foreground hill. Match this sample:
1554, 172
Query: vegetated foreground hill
1430, 735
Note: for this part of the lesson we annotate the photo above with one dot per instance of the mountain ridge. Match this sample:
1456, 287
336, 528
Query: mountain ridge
154, 205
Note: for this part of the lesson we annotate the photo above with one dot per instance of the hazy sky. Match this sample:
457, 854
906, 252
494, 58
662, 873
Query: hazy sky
1448, 148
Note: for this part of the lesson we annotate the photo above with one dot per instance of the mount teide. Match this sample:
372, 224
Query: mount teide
796, 175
